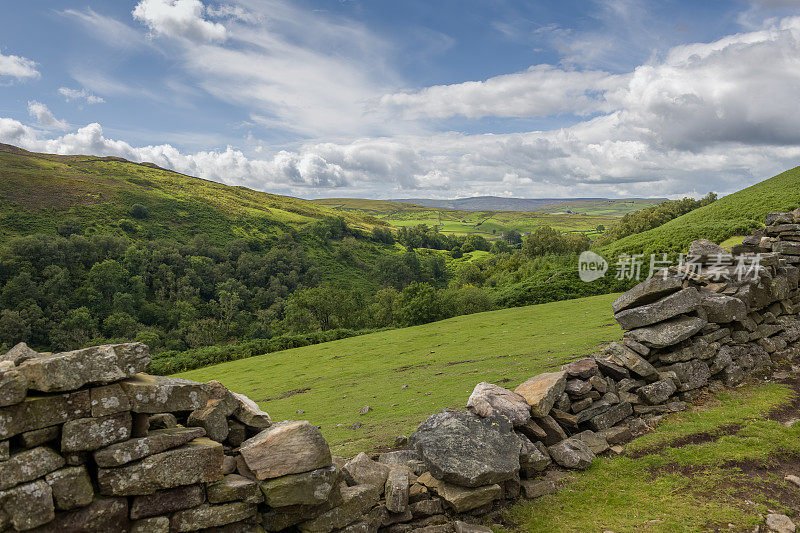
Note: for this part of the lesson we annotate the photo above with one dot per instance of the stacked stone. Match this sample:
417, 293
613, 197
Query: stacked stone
781, 234
688, 330
88, 442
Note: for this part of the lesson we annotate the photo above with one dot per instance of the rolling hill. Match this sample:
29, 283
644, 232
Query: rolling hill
488, 223
735, 214
591, 206
41, 192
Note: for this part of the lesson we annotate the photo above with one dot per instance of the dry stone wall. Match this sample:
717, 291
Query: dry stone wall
89, 442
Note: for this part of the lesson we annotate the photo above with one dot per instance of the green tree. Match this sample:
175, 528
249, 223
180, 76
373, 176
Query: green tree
13, 327
512, 237
320, 307
418, 304
75, 330
139, 211
108, 277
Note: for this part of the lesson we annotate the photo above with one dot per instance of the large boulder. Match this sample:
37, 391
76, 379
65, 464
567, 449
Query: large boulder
19, 354
647, 291
668, 333
199, 461
722, 309
681, 302
572, 453
489, 400
542, 391
96, 365
286, 448
467, 450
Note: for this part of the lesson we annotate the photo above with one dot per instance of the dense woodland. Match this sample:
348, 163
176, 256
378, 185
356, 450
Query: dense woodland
201, 301
63, 292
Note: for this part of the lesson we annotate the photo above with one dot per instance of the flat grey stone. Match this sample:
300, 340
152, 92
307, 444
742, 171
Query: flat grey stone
155, 442
199, 461
678, 303
668, 333
68, 371
647, 291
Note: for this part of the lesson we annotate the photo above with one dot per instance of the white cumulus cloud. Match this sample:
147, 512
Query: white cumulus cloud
17, 67
698, 117
82, 95
542, 90
44, 117
179, 18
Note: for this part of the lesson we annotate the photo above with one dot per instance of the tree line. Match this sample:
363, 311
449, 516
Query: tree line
60, 292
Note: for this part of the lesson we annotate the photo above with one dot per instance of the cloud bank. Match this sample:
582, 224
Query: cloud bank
698, 117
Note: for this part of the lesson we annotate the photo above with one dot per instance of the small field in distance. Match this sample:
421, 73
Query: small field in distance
569, 216
406, 375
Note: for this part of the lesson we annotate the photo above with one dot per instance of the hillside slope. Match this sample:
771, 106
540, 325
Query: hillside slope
406, 374
542, 205
735, 214
45, 193
488, 223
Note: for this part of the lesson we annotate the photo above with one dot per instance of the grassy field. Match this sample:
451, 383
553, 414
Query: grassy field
735, 214
607, 207
487, 223
732, 241
717, 466
406, 375
41, 191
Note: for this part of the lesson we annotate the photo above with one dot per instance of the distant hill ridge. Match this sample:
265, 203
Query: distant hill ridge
499, 203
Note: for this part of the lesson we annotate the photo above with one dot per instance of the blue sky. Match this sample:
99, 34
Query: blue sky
387, 99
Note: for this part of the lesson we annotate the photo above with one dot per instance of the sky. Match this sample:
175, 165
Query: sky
387, 99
